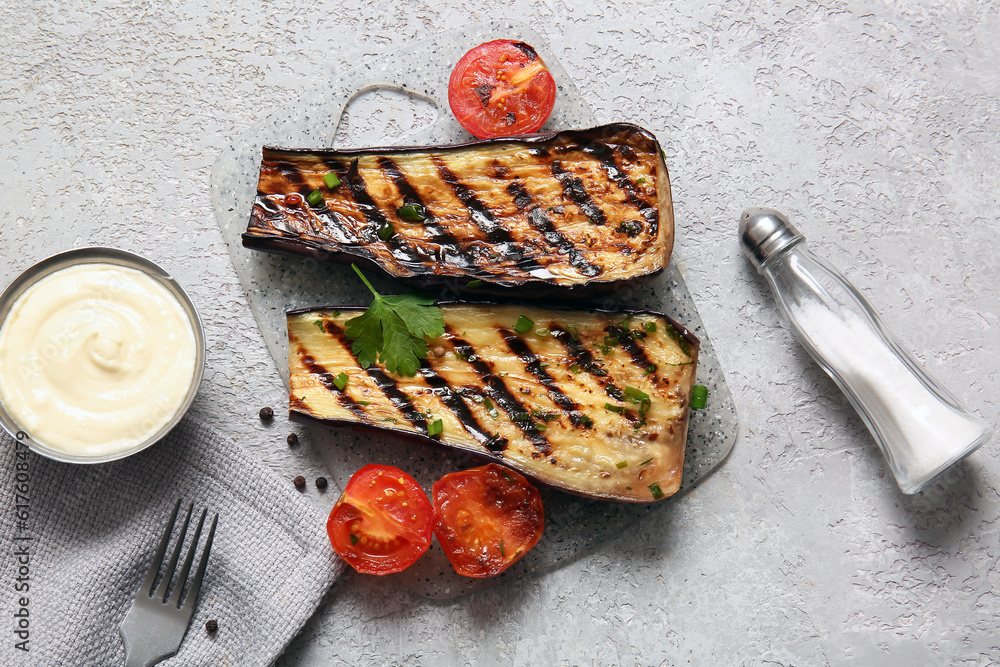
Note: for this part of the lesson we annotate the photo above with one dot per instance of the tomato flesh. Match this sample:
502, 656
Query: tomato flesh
486, 519
383, 521
501, 88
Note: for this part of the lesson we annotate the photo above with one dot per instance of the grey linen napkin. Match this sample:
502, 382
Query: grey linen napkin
82, 538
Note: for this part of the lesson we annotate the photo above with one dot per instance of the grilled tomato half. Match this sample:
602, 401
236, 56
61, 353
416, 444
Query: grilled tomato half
486, 519
383, 521
500, 89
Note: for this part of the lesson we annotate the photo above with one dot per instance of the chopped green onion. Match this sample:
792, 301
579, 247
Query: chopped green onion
575, 368
386, 230
542, 331
331, 180
646, 461
364, 402
475, 283
436, 427
319, 323
622, 464
490, 409
502, 554
523, 325
506, 476
657, 491
649, 327
586, 421
614, 392
641, 181
336, 313
355, 539
540, 426
573, 331
620, 409
636, 395
699, 396
389, 419
341, 381
521, 417
315, 197
649, 370
412, 213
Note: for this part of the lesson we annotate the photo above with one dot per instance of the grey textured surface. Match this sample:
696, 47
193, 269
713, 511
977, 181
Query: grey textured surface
874, 125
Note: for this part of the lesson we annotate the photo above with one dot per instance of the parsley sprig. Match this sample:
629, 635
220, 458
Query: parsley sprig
394, 329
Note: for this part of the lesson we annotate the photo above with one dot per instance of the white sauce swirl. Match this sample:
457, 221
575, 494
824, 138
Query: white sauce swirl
95, 359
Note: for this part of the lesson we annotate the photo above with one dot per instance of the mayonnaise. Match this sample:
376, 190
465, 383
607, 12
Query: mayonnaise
95, 359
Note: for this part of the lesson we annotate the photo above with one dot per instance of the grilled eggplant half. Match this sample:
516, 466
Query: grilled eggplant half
572, 212
592, 402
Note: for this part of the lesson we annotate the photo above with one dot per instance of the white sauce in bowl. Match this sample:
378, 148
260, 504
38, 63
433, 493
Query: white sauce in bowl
95, 359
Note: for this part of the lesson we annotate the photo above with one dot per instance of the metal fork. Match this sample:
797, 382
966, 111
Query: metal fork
154, 627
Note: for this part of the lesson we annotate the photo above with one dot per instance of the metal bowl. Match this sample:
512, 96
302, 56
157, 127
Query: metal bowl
99, 255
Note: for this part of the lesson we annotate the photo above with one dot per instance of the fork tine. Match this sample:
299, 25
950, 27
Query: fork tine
192, 595
175, 597
168, 574
154, 566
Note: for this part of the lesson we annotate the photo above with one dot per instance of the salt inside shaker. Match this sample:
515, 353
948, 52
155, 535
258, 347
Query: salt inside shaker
920, 427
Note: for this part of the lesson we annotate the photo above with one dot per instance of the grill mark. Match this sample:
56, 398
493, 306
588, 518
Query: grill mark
483, 218
454, 402
292, 174
585, 360
606, 156
411, 196
326, 377
500, 394
634, 350
368, 207
534, 366
575, 190
389, 388
541, 221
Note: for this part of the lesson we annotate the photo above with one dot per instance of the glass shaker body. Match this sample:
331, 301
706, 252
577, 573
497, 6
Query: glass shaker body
919, 426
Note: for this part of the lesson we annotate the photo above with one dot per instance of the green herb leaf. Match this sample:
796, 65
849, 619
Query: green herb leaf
315, 198
649, 460
502, 554
354, 539
341, 381
699, 396
331, 180
386, 231
523, 325
656, 490
649, 327
412, 213
436, 427
649, 370
393, 331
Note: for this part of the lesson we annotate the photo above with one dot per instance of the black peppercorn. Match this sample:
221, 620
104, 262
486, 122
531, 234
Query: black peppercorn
293, 439
212, 625
267, 414
299, 482
321, 483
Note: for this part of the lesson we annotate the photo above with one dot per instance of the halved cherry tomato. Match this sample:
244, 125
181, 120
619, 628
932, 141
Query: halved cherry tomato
501, 88
486, 519
383, 521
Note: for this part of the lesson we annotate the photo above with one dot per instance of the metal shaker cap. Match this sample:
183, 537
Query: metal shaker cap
765, 232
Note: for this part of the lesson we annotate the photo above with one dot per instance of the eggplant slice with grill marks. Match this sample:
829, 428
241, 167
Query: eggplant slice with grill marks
574, 212
592, 402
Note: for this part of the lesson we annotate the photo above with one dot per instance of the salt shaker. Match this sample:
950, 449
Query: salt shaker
919, 426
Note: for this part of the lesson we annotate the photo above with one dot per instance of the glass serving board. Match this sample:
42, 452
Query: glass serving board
275, 284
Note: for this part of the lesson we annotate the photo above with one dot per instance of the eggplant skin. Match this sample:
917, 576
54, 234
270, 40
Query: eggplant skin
577, 212
561, 401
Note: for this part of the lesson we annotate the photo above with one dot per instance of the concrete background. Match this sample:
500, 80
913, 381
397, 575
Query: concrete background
874, 125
